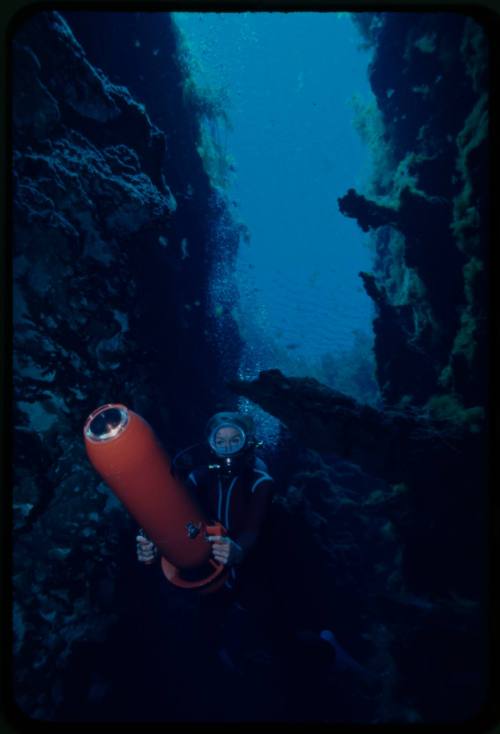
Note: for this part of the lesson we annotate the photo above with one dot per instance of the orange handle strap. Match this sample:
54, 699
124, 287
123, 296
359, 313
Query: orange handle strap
216, 529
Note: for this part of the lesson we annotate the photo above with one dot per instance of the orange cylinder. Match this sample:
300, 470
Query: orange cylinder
125, 452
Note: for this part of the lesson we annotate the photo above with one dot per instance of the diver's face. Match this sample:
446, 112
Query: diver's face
228, 440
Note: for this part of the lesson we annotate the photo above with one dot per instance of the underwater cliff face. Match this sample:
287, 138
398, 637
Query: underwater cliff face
114, 220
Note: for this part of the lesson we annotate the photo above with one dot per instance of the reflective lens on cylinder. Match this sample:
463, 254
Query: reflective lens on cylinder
107, 424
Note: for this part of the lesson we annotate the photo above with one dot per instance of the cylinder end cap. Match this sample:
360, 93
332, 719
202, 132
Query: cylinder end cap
106, 423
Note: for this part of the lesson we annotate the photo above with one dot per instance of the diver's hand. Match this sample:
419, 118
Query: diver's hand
146, 549
225, 550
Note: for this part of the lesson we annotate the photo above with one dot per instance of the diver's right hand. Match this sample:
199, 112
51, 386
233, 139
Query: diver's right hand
146, 549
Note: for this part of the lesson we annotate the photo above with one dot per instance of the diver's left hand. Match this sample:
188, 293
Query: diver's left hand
225, 550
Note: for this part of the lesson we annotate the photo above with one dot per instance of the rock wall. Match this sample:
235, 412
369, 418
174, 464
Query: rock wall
116, 228
429, 210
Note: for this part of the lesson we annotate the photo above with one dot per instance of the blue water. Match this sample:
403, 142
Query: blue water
286, 138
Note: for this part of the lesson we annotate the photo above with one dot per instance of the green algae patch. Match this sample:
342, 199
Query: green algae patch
427, 43
447, 408
465, 343
466, 218
208, 103
473, 272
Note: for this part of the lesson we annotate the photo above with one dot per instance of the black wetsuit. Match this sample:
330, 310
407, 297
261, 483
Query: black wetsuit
240, 502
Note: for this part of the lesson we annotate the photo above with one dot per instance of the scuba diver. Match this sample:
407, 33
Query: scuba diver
234, 488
